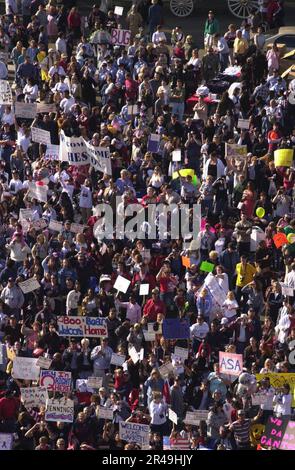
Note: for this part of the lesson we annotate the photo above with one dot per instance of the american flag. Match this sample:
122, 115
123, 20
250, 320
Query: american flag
179, 443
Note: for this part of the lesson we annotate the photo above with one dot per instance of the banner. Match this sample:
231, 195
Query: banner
38, 192
99, 158
52, 152
133, 432
40, 136
56, 380
6, 441
231, 364
91, 327
25, 110
121, 37
288, 441
284, 157
25, 368
34, 396
274, 431
235, 150
29, 285
5, 93
73, 150
277, 380
176, 328
60, 410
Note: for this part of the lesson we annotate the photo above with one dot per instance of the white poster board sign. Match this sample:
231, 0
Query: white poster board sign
25, 368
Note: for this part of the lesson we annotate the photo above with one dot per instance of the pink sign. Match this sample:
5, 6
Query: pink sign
288, 441
121, 37
231, 364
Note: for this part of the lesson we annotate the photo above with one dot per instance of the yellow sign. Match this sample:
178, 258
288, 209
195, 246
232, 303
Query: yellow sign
284, 157
277, 380
184, 172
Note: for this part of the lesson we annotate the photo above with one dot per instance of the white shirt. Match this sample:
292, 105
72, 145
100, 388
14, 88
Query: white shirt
133, 311
157, 35
199, 331
290, 279
283, 404
10, 7
157, 412
61, 87
8, 118
30, 90
73, 298
222, 46
269, 395
61, 46
15, 186
85, 198
67, 103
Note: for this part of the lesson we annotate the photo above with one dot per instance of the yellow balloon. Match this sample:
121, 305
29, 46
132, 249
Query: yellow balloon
291, 238
260, 212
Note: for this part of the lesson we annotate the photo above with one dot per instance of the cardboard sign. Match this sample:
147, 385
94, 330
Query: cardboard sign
40, 136
29, 285
118, 359
52, 152
60, 410
235, 150
90, 327
288, 441
77, 228
39, 224
149, 336
134, 355
207, 267
144, 289
258, 398
274, 431
231, 364
172, 416
25, 110
56, 380
6, 441
46, 108
119, 11
194, 417
120, 37
37, 191
279, 240
176, 156
55, 226
133, 432
181, 352
176, 328
44, 362
284, 157
94, 382
34, 396
25, 368
244, 123
105, 413
5, 93
166, 369
122, 284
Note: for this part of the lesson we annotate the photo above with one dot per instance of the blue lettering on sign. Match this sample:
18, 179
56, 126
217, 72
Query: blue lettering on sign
230, 364
70, 331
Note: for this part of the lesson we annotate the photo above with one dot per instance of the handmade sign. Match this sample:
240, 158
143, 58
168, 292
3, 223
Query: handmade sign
25, 368
77, 228
277, 380
5, 93
243, 123
122, 284
94, 382
91, 327
40, 136
194, 417
172, 416
44, 362
38, 191
284, 157
99, 158
133, 432
73, 150
176, 156
181, 352
231, 364
118, 11
56, 380
34, 396
274, 431
235, 150
279, 240
105, 413
288, 441
29, 285
166, 369
6, 441
144, 289
154, 143
25, 110
207, 267
55, 226
186, 262
52, 152
60, 410
46, 108
117, 359
120, 37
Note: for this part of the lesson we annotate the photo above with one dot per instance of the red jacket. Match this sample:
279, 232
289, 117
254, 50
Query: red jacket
8, 408
152, 308
74, 20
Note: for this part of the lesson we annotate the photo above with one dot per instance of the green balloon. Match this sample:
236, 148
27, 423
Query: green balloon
260, 212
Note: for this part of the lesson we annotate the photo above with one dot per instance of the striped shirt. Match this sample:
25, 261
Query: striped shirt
241, 431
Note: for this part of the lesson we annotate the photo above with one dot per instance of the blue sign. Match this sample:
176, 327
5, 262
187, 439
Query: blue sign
176, 328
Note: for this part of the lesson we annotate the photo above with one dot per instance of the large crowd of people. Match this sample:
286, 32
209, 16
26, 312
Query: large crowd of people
209, 125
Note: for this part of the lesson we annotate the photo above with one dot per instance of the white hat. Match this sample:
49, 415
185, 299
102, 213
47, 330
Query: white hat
104, 277
224, 321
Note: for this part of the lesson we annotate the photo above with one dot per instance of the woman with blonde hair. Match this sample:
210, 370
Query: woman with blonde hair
40, 249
